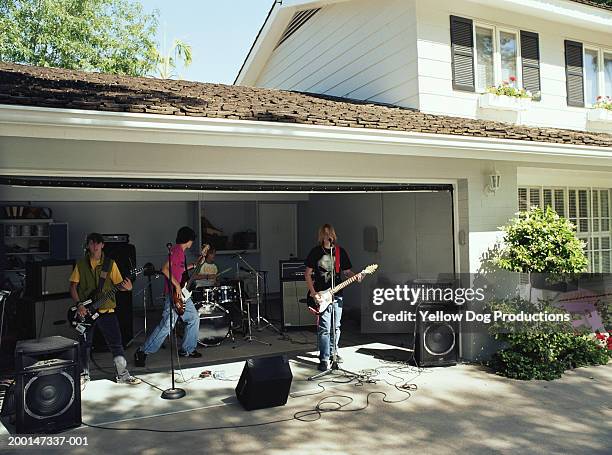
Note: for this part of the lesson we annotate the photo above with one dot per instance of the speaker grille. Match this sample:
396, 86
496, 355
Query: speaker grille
439, 339
48, 395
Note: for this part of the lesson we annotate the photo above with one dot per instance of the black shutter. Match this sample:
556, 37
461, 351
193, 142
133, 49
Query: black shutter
462, 53
573, 73
530, 56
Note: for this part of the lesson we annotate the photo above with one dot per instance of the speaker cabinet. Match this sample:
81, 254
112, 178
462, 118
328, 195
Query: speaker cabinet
124, 254
264, 383
294, 312
437, 343
47, 391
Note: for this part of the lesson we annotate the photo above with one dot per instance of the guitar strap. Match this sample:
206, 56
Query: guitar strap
337, 259
106, 265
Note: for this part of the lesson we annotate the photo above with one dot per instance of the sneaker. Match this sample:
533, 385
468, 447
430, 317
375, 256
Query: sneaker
139, 358
131, 380
323, 365
339, 359
193, 355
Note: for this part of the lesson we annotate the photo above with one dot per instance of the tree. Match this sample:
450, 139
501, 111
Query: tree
167, 63
113, 36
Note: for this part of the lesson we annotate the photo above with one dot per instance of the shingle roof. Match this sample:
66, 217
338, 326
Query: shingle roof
595, 4
61, 88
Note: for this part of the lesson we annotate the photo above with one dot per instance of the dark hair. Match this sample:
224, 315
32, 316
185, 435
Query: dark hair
185, 234
95, 238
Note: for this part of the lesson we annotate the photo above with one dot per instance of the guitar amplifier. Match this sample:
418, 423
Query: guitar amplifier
294, 312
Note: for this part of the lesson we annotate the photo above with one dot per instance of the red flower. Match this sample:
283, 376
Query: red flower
512, 78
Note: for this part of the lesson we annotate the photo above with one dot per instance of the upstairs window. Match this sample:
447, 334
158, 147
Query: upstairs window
588, 73
484, 55
497, 57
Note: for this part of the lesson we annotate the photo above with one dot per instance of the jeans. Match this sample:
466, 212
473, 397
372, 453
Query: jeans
325, 347
109, 326
191, 319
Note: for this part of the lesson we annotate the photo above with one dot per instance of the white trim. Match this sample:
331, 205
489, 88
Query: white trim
74, 124
562, 11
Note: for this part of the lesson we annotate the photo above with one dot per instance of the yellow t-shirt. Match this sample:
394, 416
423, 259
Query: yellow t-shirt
115, 276
207, 269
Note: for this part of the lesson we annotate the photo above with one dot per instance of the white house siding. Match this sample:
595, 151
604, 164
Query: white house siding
359, 49
436, 94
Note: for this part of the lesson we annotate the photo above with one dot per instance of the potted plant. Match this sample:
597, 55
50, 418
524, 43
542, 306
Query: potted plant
506, 96
601, 111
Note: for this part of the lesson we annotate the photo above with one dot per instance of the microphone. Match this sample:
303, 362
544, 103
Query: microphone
168, 245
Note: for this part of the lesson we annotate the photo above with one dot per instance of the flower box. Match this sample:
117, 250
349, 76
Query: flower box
503, 102
599, 115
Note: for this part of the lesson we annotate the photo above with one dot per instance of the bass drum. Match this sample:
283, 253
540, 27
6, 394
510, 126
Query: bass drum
214, 324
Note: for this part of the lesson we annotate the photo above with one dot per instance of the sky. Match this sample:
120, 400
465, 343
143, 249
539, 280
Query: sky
220, 33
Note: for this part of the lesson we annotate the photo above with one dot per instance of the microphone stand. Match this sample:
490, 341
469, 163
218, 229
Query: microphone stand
144, 304
172, 393
332, 329
249, 335
258, 276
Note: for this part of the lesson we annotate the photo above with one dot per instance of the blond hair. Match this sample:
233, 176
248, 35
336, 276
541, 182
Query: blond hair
331, 232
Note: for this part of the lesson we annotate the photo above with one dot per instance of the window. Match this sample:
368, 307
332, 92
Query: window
607, 70
597, 74
508, 55
497, 57
588, 209
591, 74
485, 52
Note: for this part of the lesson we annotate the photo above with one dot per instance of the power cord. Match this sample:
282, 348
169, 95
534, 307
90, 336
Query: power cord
325, 405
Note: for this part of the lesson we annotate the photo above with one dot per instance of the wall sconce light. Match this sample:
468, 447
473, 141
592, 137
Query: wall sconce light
494, 182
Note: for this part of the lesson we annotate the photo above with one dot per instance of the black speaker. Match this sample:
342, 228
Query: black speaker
124, 254
264, 383
437, 342
47, 391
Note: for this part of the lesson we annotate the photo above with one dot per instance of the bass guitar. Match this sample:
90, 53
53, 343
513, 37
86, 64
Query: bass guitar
186, 281
327, 297
93, 303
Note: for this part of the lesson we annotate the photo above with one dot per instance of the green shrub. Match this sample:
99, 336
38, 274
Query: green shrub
540, 241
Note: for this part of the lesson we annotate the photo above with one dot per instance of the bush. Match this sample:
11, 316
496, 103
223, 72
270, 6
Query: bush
547, 355
541, 241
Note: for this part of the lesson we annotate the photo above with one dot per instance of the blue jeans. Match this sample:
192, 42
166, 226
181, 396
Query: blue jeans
108, 324
325, 347
191, 319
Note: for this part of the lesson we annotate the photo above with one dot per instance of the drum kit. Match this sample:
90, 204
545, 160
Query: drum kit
221, 310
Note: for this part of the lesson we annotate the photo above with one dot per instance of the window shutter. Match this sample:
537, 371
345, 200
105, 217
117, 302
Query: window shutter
462, 53
530, 56
573, 73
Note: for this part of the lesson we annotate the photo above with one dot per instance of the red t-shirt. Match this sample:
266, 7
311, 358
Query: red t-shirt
177, 264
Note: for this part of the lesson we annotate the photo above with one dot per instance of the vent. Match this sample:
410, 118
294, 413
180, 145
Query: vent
298, 19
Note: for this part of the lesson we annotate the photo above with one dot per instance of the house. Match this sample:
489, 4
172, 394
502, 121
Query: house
371, 115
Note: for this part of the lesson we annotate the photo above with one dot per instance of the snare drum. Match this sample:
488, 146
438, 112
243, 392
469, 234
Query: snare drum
214, 324
225, 294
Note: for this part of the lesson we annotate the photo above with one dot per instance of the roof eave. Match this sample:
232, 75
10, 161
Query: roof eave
76, 124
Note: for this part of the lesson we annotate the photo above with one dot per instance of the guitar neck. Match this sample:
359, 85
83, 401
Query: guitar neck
104, 297
345, 283
192, 277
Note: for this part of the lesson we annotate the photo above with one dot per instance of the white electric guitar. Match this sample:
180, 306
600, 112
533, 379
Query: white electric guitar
327, 297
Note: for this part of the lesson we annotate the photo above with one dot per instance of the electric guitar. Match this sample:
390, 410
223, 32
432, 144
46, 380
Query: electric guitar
94, 301
179, 301
327, 296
